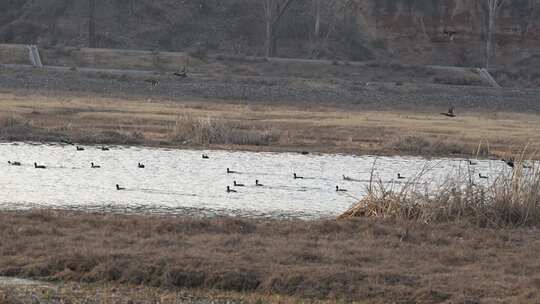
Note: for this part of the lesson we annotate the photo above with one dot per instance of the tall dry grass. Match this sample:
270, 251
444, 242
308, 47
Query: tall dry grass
506, 200
198, 130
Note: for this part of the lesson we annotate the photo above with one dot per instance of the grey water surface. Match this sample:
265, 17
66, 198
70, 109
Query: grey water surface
182, 182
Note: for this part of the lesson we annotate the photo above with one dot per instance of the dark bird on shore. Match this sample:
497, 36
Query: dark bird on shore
182, 73
229, 171
509, 162
229, 190
338, 189
482, 176
297, 177
304, 152
119, 188
103, 148
39, 166
94, 166
399, 176
450, 34
258, 184
14, 163
204, 156
140, 166
450, 113
238, 184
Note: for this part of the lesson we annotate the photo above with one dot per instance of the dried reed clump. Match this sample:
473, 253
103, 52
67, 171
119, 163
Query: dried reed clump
421, 145
197, 130
507, 200
12, 121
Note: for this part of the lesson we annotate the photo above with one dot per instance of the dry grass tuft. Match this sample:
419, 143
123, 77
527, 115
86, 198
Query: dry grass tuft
204, 131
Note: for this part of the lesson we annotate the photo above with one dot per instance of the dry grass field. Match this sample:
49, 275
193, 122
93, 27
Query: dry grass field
364, 260
220, 124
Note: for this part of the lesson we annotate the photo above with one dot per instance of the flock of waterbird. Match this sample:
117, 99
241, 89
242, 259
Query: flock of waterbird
229, 189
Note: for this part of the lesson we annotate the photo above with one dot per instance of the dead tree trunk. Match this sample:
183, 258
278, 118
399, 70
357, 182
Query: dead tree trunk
273, 11
493, 7
91, 23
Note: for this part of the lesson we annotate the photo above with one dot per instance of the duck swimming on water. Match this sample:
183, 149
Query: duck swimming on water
338, 189
140, 166
103, 148
229, 190
509, 162
229, 171
80, 148
204, 156
94, 166
119, 188
258, 184
238, 185
482, 176
39, 166
399, 176
297, 177
14, 163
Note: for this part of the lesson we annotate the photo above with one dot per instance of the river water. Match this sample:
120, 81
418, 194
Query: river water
181, 181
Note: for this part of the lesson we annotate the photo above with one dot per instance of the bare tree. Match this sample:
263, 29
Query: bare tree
316, 33
493, 8
91, 23
273, 12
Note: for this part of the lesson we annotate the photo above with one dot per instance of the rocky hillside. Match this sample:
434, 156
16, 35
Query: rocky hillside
450, 32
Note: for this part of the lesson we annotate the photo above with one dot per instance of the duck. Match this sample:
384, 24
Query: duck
39, 166
204, 156
103, 148
338, 189
482, 176
14, 163
229, 190
297, 177
450, 112
238, 184
509, 162
94, 166
119, 188
258, 184
399, 176
79, 148
229, 171
472, 163
140, 166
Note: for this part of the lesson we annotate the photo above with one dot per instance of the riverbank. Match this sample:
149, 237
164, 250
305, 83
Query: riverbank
28, 115
365, 260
